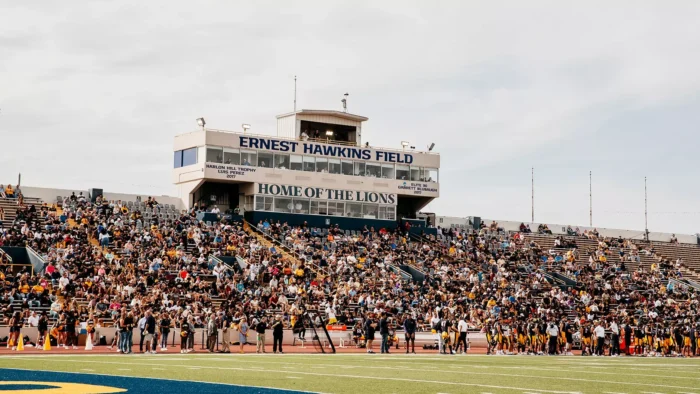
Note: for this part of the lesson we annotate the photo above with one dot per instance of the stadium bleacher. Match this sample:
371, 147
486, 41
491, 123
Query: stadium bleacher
109, 258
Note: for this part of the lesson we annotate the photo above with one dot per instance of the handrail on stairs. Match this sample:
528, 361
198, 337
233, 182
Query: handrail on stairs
281, 247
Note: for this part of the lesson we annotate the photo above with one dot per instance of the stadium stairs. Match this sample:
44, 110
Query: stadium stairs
270, 242
9, 205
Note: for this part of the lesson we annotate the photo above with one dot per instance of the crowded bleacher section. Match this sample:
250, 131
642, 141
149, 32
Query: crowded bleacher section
148, 268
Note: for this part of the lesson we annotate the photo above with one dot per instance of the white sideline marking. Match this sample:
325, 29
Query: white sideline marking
467, 369
328, 375
293, 377
416, 380
158, 369
86, 369
123, 369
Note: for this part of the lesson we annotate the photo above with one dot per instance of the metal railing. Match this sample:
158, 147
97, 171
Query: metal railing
7, 256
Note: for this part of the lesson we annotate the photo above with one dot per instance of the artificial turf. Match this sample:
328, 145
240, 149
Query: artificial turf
395, 373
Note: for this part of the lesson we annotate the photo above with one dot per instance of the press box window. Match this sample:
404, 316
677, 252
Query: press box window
346, 167
232, 156
184, 158
282, 161
215, 155
265, 159
295, 162
321, 164
249, 157
402, 172
283, 204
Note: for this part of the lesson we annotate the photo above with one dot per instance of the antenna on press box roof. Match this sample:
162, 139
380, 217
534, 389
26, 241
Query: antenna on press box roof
345, 102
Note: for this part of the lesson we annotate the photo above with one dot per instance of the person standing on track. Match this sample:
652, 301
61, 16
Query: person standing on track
70, 330
212, 333
614, 338
369, 328
190, 337
553, 334
164, 331
260, 335
15, 328
384, 332
462, 339
277, 334
226, 334
409, 327
142, 328
243, 333
599, 332
184, 335
149, 329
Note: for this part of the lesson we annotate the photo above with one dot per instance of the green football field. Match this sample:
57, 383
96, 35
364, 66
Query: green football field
395, 373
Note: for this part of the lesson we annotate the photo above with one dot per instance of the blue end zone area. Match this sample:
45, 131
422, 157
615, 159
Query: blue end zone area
21, 381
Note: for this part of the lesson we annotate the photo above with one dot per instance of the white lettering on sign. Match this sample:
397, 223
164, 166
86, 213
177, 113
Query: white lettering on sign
348, 152
325, 194
417, 187
229, 171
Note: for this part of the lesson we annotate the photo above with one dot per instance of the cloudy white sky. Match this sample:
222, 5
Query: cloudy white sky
92, 93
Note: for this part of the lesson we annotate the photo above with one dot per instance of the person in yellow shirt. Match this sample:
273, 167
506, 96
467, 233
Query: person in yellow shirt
9, 192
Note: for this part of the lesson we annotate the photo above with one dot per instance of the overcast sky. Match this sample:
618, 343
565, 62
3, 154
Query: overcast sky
92, 93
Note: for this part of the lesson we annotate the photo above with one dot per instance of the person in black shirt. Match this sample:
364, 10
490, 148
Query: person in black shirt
184, 335
277, 334
628, 336
150, 331
445, 328
370, 326
260, 334
226, 334
71, 339
164, 331
42, 327
384, 331
409, 327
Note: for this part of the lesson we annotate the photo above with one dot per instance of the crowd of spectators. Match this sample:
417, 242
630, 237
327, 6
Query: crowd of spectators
110, 263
